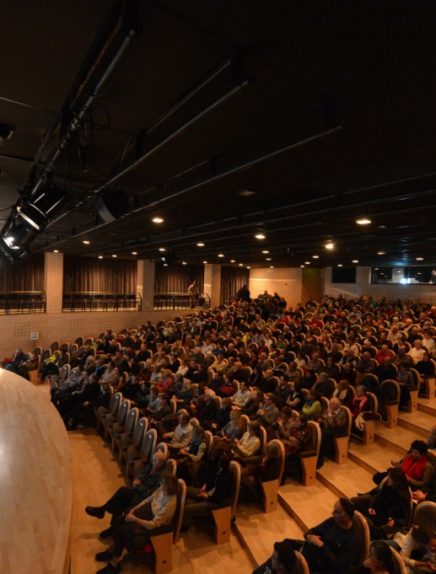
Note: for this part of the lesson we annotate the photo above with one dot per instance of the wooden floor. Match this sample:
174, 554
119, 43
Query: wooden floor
96, 476
35, 481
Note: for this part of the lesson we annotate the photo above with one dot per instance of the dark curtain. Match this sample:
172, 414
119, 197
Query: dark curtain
112, 276
24, 276
232, 279
176, 278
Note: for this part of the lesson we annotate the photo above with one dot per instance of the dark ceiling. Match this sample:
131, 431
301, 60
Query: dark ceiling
325, 110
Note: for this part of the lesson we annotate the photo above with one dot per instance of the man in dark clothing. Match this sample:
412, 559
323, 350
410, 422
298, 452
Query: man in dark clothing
125, 498
201, 502
335, 545
282, 561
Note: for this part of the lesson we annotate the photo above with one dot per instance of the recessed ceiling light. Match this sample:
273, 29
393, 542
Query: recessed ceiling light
271, 266
86, 242
363, 221
355, 261
302, 266
232, 260
220, 255
268, 259
329, 245
260, 236
382, 226
100, 256
162, 249
158, 219
204, 262
114, 256
165, 264
381, 252
240, 264
419, 258
265, 252
339, 264
184, 263
248, 267
134, 253
55, 250
315, 256
307, 262
200, 244
246, 192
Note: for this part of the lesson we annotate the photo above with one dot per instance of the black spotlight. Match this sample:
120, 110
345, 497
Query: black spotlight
112, 204
38, 211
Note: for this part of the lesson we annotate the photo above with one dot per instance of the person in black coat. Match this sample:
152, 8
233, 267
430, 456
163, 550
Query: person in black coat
201, 502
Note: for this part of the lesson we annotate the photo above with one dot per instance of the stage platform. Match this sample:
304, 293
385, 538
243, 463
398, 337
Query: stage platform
35, 481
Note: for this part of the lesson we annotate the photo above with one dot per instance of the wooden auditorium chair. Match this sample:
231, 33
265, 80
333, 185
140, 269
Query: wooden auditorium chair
136, 459
390, 399
116, 423
126, 430
342, 441
270, 488
134, 440
103, 412
309, 455
223, 516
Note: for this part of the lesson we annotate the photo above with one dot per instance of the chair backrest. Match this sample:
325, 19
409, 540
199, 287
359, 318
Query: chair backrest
131, 419
400, 565
178, 515
171, 466
148, 443
115, 403
282, 456
235, 469
415, 375
390, 392
123, 411
141, 428
173, 405
315, 431
244, 423
263, 439
54, 346
45, 355
302, 566
324, 403
64, 373
372, 403
64, 347
218, 403
360, 520
163, 447
349, 419
208, 436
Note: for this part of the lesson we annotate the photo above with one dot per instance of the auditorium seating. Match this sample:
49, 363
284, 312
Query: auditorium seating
133, 442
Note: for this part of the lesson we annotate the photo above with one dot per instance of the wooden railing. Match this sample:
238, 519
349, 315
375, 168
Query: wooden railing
179, 301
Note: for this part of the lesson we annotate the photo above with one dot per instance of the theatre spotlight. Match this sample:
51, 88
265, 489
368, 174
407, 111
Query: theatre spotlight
38, 211
16, 236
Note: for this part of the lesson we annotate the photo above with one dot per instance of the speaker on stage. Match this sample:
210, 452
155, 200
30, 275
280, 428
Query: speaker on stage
112, 204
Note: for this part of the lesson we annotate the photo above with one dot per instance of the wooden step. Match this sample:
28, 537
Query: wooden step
345, 479
374, 457
308, 505
398, 438
418, 422
197, 552
428, 406
258, 531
